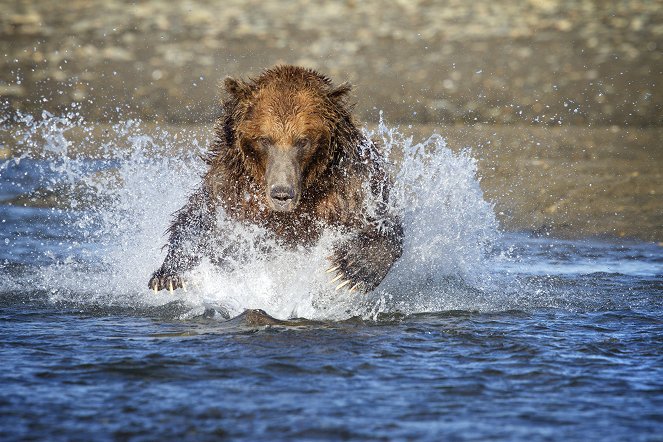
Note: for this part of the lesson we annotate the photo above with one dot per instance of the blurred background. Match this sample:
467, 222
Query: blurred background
561, 101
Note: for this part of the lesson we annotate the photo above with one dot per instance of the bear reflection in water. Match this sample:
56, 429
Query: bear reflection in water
288, 157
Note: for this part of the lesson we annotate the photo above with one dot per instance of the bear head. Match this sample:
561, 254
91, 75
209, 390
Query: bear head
290, 126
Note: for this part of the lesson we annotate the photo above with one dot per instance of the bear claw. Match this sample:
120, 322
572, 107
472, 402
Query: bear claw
344, 274
355, 287
347, 277
343, 284
162, 281
338, 276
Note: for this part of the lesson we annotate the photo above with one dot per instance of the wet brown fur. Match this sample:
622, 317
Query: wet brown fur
284, 104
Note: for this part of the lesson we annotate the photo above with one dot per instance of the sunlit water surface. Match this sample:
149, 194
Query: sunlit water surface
473, 335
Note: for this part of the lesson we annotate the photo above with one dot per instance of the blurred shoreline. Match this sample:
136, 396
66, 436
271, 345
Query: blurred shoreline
536, 177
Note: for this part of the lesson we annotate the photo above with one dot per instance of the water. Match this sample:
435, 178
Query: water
474, 335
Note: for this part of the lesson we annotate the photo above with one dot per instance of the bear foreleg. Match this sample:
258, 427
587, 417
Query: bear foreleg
189, 234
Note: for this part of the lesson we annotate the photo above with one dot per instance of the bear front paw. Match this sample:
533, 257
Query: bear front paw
363, 262
161, 280
351, 271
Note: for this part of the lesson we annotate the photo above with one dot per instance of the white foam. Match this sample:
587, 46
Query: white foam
449, 231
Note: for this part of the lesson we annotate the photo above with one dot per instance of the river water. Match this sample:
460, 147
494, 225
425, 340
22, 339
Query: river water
474, 335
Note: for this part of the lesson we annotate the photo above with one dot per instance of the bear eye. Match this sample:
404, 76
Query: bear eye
264, 142
302, 143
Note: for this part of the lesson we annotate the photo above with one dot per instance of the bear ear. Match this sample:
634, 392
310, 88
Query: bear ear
237, 88
341, 91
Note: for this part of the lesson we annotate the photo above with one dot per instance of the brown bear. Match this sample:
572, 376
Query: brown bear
287, 156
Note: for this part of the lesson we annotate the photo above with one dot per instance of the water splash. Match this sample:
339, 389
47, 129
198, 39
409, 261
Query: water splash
119, 205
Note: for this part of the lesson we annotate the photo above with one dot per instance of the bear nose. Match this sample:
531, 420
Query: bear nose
282, 193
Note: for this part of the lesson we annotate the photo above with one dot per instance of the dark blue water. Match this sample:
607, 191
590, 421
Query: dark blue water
557, 340
514, 375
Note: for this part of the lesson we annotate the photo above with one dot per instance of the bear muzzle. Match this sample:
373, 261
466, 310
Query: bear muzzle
282, 179
282, 198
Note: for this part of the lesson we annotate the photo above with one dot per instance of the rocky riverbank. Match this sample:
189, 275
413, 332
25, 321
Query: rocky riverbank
536, 61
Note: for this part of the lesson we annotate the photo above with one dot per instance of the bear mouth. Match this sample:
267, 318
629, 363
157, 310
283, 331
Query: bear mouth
282, 198
277, 206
